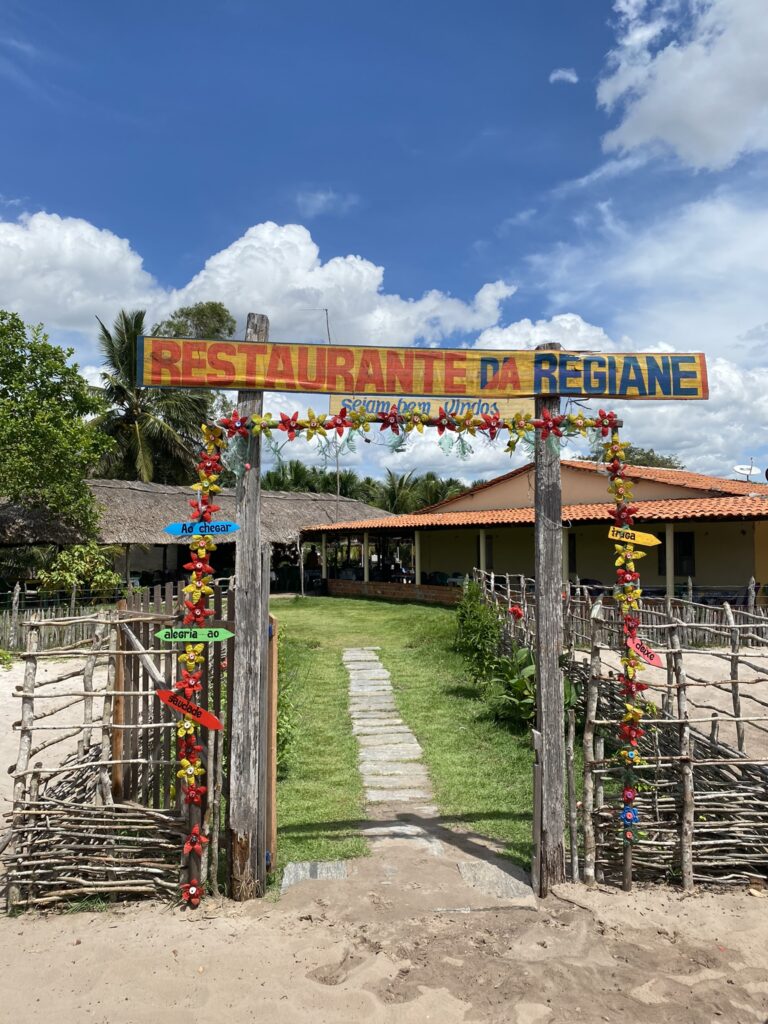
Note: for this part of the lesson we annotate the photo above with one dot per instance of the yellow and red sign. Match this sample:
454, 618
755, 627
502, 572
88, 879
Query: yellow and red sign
438, 372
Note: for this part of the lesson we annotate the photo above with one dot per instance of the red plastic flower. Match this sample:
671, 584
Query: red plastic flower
624, 515
391, 420
629, 794
199, 567
631, 687
235, 424
189, 683
615, 469
196, 613
188, 748
631, 625
192, 892
203, 508
606, 421
194, 795
290, 424
209, 465
549, 424
444, 422
625, 577
195, 842
491, 424
339, 422
516, 611
630, 732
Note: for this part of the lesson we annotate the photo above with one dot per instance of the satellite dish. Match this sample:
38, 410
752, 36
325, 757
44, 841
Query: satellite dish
747, 471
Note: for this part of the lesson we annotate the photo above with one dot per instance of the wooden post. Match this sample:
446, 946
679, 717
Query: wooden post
735, 695
324, 556
573, 814
669, 558
246, 797
13, 640
589, 756
417, 557
549, 637
482, 550
272, 745
366, 563
118, 710
686, 765
20, 782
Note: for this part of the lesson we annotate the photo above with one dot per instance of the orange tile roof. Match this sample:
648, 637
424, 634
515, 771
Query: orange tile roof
675, 477
667, 510
680, 477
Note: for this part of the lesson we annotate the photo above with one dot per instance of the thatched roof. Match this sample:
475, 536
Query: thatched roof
21, 526
136, 513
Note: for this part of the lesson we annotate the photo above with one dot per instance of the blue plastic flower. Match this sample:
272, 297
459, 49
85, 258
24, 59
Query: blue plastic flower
630, 816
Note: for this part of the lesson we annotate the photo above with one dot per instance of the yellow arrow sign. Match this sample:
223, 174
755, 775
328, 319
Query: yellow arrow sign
633, 536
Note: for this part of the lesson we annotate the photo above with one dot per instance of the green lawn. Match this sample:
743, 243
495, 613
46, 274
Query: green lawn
480, 772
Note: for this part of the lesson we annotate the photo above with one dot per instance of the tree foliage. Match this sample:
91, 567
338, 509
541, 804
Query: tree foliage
203, 320
156, 430
404, 492
50, 440
636, 456
81, 565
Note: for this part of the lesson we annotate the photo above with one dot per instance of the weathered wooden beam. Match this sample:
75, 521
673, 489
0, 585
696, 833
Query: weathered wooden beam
246, 797
548, 538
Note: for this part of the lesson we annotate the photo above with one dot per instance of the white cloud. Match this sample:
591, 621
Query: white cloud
65, 272
564, 75
515, 221
690, 76
323, 201
569, 329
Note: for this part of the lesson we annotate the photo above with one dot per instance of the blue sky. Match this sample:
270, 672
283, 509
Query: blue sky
492, 174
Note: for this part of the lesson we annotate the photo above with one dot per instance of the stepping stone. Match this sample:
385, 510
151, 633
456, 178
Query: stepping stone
391, 752
493, 881
382, 739
409, 781
305, 870
395, 796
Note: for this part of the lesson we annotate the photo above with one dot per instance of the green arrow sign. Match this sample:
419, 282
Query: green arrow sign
193, 634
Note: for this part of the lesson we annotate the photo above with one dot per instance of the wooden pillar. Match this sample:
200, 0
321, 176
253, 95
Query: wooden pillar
417, 557
324, 557
366, 565
669, 553
548, 533
566, 561
247, 756
482, 566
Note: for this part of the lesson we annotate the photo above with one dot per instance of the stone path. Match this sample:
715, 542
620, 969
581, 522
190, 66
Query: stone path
389, 755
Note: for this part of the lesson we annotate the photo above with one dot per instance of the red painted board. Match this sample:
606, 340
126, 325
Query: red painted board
640, 648
186, 707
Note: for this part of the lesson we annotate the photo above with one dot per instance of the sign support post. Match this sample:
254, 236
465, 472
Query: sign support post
549, 843
247, 813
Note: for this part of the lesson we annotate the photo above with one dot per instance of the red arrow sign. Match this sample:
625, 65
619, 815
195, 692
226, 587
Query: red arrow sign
186, 707
645, 652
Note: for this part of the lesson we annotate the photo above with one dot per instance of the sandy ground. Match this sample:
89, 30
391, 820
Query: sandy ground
404, 938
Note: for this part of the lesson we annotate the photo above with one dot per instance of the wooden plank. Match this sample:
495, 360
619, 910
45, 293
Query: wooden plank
548, 541
246, 803
272, 697
536, 854
215, 751
118, 712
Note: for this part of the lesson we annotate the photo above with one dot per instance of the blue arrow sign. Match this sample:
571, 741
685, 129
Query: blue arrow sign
213, 529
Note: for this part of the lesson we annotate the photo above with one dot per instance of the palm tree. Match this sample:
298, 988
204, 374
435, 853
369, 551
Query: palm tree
399, 492
433, 489
156, 429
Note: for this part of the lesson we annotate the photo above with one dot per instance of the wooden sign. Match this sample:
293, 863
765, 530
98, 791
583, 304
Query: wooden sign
193, 634
633, 537
434, 372
430, 407
642, 650
216, 528
186, 707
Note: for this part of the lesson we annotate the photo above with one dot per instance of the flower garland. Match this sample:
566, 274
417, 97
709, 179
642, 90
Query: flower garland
627, 593
519, 427
192, 661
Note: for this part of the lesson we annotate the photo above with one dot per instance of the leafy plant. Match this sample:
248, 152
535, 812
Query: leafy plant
81, 565
510, 692
288, 660
478, 633
6, 658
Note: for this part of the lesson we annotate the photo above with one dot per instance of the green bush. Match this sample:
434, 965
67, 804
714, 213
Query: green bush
478, 633
287, 718
507, 681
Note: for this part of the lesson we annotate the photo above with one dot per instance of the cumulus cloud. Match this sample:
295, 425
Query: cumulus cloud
689, 76
65, 271
323, 201
569, 329
564, 75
